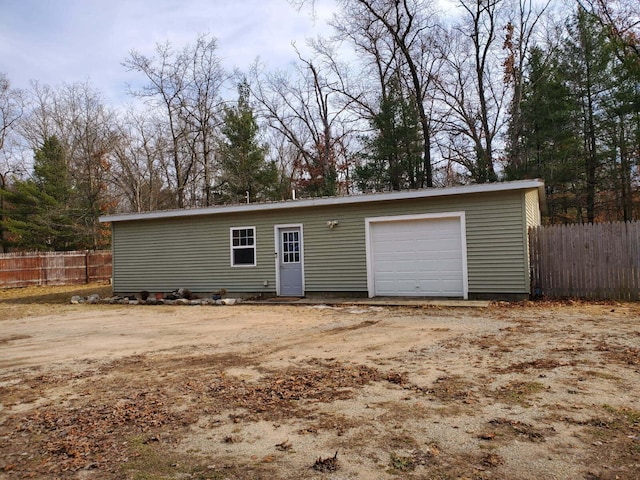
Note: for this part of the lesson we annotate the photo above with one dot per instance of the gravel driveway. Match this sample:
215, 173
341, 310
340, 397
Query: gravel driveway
533, 391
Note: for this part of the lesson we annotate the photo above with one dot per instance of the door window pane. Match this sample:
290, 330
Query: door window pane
290, 247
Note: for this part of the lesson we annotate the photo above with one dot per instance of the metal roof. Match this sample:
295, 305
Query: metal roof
330, 201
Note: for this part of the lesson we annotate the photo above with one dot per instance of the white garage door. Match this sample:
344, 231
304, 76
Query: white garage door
417, 257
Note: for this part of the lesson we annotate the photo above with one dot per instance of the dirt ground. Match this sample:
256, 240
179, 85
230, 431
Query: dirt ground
513, 391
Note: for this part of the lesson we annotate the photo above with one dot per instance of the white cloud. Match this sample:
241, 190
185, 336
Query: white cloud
66, 41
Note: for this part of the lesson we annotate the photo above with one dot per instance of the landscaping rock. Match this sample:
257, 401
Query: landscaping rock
93, 299
173, 298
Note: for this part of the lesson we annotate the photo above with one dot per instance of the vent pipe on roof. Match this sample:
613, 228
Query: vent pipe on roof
247, 195
293, 194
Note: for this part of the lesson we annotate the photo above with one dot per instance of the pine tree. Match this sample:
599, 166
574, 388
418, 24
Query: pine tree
393, 155
587, 61
549, 147
38, 216
50, 173
620, 137
581, 126
243, 167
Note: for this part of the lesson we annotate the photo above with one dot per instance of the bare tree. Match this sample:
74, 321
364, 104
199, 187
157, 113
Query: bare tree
472, 88
11, 108
306, 112
396, 36
138, 168
90, 127
76, 115
38, 122
202, 106
167, 76
185, 86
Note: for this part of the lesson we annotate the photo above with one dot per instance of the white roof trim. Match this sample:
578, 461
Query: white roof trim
328, 201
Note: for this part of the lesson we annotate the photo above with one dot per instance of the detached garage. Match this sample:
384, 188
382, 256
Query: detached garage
460, 242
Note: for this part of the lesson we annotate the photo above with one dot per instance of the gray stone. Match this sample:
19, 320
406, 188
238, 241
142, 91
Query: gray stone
93, 299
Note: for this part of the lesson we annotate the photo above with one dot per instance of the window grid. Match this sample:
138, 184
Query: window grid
290, 247
243, 247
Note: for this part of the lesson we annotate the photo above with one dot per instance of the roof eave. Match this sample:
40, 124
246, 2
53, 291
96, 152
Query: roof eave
328, 201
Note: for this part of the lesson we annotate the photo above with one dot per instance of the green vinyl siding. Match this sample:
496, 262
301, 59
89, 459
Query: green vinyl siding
194, 252
191, 252
533, 219
532, 205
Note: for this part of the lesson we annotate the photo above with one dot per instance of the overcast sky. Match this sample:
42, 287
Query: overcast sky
66, 41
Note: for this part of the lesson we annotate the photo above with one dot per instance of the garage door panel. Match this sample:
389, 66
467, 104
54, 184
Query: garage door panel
405, 266
421, 257
387, 286
386, 266
432, 286
449, 264
404, 246
423, 265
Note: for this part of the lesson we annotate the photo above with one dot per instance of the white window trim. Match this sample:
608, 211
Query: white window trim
399, 218
232, 248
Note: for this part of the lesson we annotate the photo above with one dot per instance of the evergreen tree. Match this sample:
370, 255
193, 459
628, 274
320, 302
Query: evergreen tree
243, 168
50, 173
38, 216
549, 147
393, 156
587, 63
620, 138
580, 126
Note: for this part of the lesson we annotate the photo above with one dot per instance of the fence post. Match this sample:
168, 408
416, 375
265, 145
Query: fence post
86, 266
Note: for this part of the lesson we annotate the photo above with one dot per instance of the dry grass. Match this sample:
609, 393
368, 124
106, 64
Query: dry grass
36, 301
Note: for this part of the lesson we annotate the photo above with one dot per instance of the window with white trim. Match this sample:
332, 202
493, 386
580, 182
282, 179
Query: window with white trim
243, 247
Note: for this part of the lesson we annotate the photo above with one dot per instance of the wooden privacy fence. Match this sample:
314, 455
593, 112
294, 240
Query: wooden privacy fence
25, 269
595, 261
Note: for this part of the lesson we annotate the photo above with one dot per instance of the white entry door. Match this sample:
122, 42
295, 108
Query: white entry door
417, 257
289, 261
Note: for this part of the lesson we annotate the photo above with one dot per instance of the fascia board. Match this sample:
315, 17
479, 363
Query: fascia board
329, 201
